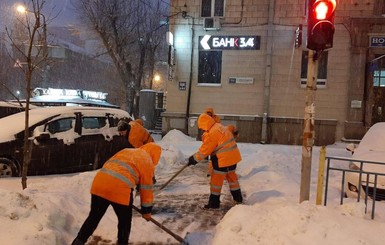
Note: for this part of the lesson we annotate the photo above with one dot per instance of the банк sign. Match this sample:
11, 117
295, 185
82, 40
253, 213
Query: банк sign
208, 42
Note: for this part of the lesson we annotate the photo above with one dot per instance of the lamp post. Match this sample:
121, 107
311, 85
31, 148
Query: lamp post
22, 9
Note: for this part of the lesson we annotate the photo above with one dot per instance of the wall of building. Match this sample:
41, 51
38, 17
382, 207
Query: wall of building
276, 89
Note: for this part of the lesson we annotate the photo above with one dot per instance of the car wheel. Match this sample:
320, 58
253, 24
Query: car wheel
7, 168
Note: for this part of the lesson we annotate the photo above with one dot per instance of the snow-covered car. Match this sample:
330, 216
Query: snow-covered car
65, 139
8, 108
370, 149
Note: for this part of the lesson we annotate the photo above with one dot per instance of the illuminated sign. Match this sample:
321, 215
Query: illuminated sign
208, 42
378, 41
60, 93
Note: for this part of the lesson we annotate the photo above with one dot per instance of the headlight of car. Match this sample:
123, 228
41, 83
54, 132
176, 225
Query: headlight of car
352, 187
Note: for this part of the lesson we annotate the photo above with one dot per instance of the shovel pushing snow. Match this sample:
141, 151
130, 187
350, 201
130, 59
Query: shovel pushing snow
178, 238
173, 177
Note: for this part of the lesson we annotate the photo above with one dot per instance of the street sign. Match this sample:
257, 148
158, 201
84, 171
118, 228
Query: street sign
208, 42
182, 86
377, 41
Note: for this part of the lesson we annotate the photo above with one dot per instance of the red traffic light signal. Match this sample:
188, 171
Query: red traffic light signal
320, 25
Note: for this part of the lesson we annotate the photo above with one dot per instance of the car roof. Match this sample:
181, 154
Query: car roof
372, 147
374, 139
13, 124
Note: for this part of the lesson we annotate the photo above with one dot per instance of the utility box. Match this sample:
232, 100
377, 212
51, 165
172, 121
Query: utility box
147, 108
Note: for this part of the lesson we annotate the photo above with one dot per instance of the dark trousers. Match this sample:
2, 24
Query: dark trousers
217, 177
99, 207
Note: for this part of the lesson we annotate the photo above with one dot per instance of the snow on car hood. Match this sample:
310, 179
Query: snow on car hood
374, 139
372, 148
374, 156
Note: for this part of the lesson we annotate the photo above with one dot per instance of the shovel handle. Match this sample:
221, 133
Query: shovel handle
178, 238
173, 177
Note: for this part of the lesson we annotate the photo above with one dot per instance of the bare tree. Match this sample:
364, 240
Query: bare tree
151, 35
126, 29
29, 45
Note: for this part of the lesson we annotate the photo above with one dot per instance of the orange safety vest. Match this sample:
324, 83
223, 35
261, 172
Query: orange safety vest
217, 140
121, 173
138, 135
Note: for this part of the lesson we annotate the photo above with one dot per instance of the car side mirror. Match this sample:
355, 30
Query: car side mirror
43, 137
351, 147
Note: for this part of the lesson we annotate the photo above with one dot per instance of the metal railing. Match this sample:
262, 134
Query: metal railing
368, 190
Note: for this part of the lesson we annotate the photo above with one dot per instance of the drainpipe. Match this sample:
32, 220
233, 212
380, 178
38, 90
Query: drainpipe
191, 76
266, 91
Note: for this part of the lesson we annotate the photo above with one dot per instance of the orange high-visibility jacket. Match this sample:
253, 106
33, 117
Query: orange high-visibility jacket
217, 140
121, 173
138, 135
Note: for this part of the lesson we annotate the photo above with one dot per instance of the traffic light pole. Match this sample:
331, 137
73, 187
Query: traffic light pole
308, 125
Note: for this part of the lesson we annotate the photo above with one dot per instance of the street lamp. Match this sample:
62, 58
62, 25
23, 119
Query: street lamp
156, 80
22, 9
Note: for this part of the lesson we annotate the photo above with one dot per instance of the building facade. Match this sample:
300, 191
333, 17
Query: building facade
247, 59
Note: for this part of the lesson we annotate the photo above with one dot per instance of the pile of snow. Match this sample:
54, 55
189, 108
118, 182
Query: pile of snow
176, 136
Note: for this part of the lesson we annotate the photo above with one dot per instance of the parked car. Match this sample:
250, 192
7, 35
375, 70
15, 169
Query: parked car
64, 139
372, 149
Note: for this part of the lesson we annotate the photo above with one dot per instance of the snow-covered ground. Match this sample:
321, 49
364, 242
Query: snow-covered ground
52, 208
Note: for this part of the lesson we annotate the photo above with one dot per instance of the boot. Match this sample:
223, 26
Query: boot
121, 243
77, 242
214, 202
237, 196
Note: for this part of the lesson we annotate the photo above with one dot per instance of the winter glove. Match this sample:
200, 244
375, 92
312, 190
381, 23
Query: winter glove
191, 161
147, 216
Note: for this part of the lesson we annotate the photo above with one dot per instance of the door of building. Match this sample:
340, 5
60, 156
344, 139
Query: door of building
378, 92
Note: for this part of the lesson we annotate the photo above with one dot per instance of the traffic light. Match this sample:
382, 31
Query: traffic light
320, 24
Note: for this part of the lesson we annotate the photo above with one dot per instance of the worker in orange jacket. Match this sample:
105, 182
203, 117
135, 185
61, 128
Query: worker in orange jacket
136, 134
209, 111
235, 133
113, 185
218, 142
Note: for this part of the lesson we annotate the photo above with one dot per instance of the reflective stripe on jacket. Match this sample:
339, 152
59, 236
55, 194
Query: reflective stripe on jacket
138, 135
217, 140
121, 173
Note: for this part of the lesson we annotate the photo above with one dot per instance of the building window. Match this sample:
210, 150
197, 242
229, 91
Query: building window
378, 68
211, 8
322, 69
379, 78
210, 67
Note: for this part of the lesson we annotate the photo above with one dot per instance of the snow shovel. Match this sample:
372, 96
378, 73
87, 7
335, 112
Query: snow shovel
173, 177
178, 238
